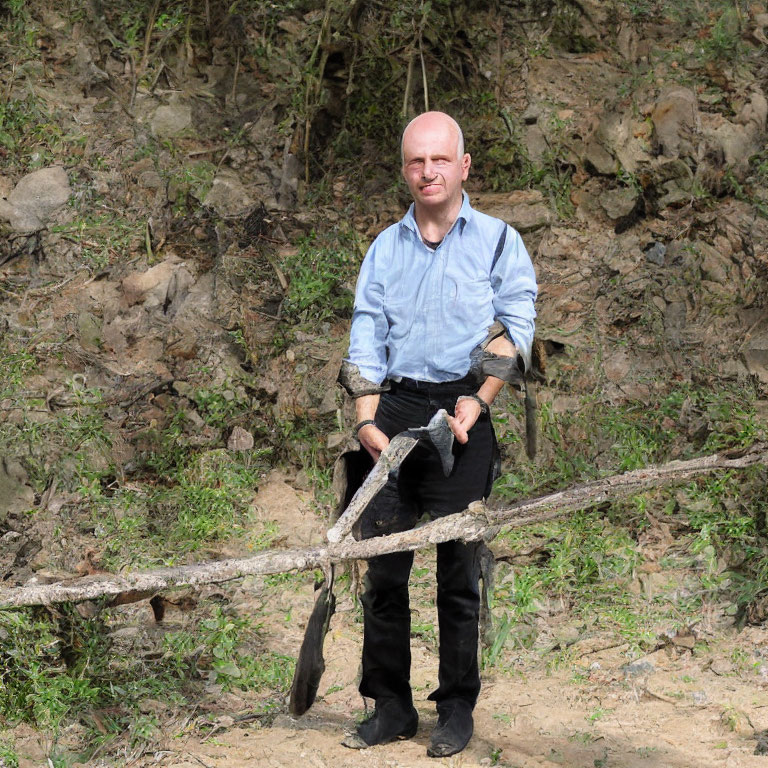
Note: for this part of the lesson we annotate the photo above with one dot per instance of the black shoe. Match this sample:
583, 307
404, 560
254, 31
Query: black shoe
453, 730
391, 720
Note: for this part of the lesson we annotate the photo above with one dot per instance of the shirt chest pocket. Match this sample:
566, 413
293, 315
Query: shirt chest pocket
469, 295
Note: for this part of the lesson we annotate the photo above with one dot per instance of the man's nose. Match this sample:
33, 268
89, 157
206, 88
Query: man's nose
428, 172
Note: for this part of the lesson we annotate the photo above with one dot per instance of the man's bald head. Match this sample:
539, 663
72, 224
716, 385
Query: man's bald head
431, 120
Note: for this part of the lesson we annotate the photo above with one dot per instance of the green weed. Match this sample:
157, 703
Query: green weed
8, 756
102, 237
56, 668
597, 437
322, 274
724, 42
225, 658
510, 166
16, 363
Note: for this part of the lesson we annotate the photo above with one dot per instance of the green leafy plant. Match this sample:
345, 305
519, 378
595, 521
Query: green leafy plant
8, 756
321, 275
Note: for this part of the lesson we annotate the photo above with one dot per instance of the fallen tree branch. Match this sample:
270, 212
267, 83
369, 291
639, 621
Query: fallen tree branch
477, 522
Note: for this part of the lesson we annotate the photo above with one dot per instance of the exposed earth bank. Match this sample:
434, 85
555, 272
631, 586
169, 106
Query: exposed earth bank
184, 203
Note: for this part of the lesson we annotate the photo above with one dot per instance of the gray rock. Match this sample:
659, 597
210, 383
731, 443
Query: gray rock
677, 192
535, 143
598, 159
36, 199
638, 669
527, 218
171, 119
675, 319
613, 145
675, 121
618, 203
240, 440
617, 366
525, 210
736, 141
289, 181
655, 253
756, 354
15, 493
700, 698
89, 331
715, 267
228, 196
150, 180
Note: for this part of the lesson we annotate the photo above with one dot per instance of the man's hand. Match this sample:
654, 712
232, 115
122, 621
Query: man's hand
468, 410
370, 436
467, 413
373, 440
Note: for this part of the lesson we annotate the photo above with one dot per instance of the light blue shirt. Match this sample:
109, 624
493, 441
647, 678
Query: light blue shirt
419, 313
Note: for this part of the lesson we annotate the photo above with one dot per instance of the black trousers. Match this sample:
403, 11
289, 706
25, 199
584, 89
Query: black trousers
421, 487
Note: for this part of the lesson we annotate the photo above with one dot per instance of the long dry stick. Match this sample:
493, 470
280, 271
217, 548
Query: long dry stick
475, 523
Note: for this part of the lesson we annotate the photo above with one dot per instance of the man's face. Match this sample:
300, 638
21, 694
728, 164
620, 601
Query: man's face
432, 168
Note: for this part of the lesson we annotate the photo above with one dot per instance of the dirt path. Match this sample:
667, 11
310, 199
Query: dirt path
670, 710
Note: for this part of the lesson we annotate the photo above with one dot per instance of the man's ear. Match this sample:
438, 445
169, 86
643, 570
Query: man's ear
466, 162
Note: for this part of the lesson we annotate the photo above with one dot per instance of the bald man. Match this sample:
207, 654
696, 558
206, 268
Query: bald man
444, 309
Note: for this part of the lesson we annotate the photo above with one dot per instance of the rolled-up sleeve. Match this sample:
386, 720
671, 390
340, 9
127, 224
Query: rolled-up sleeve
368, 335
514, 292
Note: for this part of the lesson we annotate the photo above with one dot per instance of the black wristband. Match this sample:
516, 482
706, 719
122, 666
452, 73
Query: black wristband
360, 425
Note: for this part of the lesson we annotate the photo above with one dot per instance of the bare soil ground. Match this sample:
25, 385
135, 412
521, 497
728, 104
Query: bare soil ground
685, 705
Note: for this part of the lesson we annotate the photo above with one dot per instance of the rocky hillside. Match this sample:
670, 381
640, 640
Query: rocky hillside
186, 194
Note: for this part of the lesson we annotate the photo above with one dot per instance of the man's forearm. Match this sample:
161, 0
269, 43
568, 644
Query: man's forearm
365, 407
491, 387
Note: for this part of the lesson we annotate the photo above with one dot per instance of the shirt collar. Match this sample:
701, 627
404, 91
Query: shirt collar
465, 214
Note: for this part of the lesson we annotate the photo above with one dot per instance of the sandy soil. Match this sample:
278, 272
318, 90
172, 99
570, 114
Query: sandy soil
674, 708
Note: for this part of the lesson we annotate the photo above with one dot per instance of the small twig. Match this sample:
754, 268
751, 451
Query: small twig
408, 86
423, 74
120, 102
195, 757
159, 72
264, 314
499, 58
11, 81
209, 151
134, 81
508, 123
659, 696
234, 77
148, 240
148, 34
279, 272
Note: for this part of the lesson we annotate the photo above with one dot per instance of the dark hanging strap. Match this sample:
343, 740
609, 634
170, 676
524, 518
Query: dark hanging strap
499, 247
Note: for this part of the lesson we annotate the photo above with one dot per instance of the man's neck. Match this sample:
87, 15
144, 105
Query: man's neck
434, 223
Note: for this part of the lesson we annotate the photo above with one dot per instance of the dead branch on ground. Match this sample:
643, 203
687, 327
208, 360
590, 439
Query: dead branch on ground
477, 522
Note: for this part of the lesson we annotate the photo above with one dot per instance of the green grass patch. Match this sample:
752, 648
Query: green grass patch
596, 438
58, 667
102, 236
322, 274
588, 562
